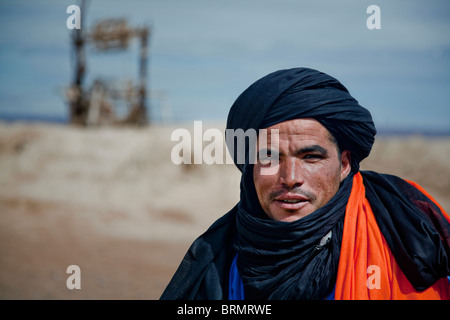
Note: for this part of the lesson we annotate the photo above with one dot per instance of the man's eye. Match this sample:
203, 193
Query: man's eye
313, 157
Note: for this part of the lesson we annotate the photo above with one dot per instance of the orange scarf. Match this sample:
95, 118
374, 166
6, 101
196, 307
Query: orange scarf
367, 269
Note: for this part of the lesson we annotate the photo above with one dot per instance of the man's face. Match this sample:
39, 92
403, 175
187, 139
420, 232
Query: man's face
308, 173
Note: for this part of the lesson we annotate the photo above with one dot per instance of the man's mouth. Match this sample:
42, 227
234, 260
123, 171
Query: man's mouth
291, 201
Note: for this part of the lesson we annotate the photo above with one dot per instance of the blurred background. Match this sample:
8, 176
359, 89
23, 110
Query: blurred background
86, 117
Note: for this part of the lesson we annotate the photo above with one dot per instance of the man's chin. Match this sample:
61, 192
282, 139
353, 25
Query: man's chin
287, 215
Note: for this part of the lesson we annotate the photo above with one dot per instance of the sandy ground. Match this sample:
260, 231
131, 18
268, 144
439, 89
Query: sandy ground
112, 202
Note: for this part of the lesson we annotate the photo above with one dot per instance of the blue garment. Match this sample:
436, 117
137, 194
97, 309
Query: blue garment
331, 295
236, 287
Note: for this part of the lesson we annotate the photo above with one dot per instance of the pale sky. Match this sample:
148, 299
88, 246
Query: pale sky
204, 53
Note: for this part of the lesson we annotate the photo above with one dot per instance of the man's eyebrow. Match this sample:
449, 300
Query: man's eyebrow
313, 148
307, 149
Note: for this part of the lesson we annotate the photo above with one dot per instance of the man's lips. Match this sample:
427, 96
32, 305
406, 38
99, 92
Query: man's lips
291, 201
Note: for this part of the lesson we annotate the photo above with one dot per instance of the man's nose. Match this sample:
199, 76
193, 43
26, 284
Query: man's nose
291, 172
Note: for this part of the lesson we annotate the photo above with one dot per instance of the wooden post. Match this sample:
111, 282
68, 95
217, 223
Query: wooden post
78, 105
143, 116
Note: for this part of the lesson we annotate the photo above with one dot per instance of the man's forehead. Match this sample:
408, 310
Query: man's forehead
297, 129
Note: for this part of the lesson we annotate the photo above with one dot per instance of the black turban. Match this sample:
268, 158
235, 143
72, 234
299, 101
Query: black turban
305, 93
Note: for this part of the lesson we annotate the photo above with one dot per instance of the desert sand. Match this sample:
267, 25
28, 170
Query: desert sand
111, 201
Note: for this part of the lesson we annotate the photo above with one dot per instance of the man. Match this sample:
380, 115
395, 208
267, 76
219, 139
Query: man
316, 227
